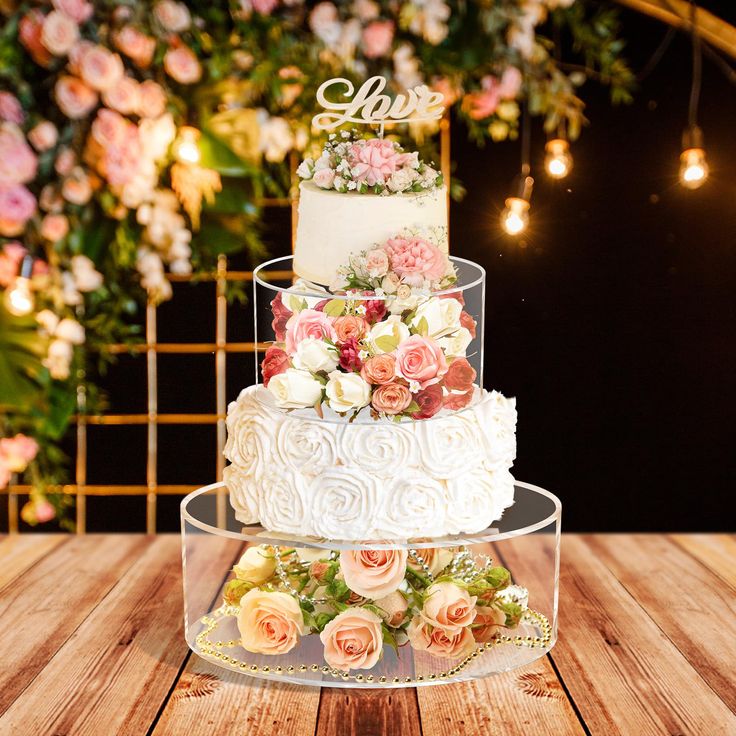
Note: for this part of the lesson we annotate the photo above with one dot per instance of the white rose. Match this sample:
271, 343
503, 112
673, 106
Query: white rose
58, 359
343, 501
378, 448
71, 331
305, 168
295, 389
405, 299
392, 328
456, 345
402, 180
441, 316
496, 419
325, 161
346, 391
307, 446
156, 135
449, 443
86, 277
48, 321
315, 355
257, 565
243, 492
413, 505
282, 505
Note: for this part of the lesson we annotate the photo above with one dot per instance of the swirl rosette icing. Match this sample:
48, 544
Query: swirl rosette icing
382, 448
244, 494
283, 505
472, 501
450, 445
343, 502
413, 504
497, 421
306, 446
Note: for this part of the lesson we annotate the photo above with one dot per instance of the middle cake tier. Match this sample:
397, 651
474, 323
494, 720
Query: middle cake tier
370, 480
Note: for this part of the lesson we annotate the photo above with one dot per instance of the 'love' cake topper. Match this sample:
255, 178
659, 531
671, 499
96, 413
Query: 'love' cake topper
370, 106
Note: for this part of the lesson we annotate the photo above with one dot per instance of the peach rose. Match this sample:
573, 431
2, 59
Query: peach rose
54, 227
136, 45
30, 29
65, 161
123, 97
394, 606
373, 573
377, 38
487, 621
78, 10
77, 188
379, 369
349, 326
438, 642
173, 16
16, 452
308, 323
376, 263
100, 68
43, 135
420, 359
75, 99
353, 640
269, 623
182, 66
59, 33
18, 163
435, 558
449, 607
152, 99
391, 398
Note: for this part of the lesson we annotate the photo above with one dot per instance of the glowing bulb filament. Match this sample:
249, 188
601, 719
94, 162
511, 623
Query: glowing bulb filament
19, 297
558, 159
186, 148
693, 168
515, 216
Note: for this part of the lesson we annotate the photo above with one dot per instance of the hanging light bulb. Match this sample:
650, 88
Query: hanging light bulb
693, 165
558, 159
515, 215
186, 148
18, 298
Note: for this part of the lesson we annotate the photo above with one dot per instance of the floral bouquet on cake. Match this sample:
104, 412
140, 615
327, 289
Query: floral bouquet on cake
390, 335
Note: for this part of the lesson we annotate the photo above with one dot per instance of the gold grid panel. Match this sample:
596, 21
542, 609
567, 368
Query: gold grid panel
152, 418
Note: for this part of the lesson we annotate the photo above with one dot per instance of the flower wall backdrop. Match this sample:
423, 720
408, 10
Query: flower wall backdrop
137, 139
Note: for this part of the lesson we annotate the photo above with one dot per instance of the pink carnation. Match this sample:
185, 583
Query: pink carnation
17, 206
10, 109
308, 323
373, 161
18, 162
414, 259
420, 359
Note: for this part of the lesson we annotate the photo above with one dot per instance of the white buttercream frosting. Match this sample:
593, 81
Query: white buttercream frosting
297, 475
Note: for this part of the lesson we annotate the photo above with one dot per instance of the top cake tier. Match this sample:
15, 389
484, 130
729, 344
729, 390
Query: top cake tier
358, 194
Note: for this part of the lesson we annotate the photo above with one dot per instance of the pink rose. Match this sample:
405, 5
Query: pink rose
65, 161
414, 259
488, 620
78, 10
460, 375
438, 642
376, 263
281, 316
75, 99
10, 109
16, 452
59, 33
377, 38
349, 355
120, 165
18, 163
77, 188
173, 16
30, 29
448, 607
43, 135
10, 259
349, 326
420, 359
123, 97
373, 161
274, 362
136, 45
429, 400
182, 66
44, 511
353, 640
483, 104
17, 206
109, 128
100, 68
510, 83
454, 401
152, 99
391, 398
379, 369
269, 622
265, 7
373, 573
54, 227
308, 323
324, 178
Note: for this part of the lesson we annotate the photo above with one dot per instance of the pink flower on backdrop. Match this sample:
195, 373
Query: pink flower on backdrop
123, 97
391, 398
152, 99
136, 45
65, 161
182, 66
350, 355
308, 323
429, 400
275, 361
54, 227
99, 67
377, 38
30, 29
75, 98
16, 452
446, 88
264, 7
121, 163
349, 326
109, 128
18, 162
43, 135
44, 511
17, 206
10, 258
281, 316
59, 33
173, 16
483, 104
373, 161
414, 260
10, 109
420, 359
78, 10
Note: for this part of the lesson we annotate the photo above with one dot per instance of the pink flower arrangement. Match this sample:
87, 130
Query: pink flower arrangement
483, 104
415, 260
373, 161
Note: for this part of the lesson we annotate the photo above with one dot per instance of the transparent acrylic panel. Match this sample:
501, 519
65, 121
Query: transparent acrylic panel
512, 622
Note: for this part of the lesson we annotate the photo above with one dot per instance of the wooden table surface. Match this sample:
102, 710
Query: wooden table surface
91, 642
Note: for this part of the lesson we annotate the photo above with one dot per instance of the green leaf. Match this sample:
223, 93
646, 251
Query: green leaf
322, 619
387, 343
334, 307
62, 404
215, 154
422, 327
296, 304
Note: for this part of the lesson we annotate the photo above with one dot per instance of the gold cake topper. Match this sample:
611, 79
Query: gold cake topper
370, 106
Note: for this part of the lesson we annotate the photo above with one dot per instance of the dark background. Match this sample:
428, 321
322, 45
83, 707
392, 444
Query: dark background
612, 322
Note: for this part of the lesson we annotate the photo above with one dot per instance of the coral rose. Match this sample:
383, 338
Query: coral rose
43, 135
438, 642
420, 359
391, 398
468, 323
152, 99
30, 29
281, 315
350, 326
429, 400
379, 369
308, 323
449, 607
59, 33
455, 401
123, 97
488, 620
182, 66
54, 227
353, 640
275, 361
100, 68
136, 45
415, 259
460, 375
78, 10
18, 163
373, 573
75, 99
373, 161
269, 623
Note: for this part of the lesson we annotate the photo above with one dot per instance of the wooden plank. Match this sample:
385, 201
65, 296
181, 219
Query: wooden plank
43, 607
19, 552
369, 713
623, 673
716, 551
689, 603
120, 664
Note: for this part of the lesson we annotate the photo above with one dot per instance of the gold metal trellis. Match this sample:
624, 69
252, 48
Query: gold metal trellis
81, 489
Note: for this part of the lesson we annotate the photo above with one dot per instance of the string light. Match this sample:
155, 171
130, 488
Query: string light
515, 214
186, 146
557, 159
18, 298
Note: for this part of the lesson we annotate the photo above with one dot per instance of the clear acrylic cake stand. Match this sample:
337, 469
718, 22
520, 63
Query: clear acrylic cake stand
526, 541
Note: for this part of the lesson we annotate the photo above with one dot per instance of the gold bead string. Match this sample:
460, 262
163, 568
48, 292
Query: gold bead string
213, 649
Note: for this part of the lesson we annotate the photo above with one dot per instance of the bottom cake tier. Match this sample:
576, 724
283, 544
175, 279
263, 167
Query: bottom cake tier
378, 614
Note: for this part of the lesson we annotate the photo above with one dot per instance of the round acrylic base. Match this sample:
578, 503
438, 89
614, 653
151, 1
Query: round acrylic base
525, 542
